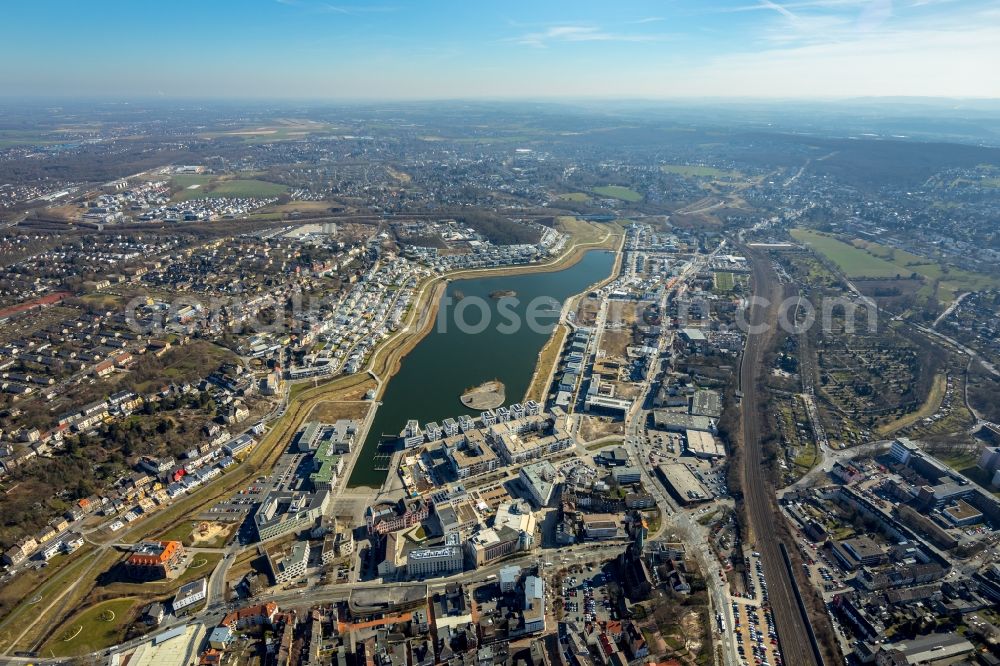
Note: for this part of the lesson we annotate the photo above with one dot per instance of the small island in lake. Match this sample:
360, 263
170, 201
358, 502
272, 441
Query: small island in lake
503, 293
488, 395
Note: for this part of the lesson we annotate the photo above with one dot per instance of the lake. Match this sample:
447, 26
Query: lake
468, 347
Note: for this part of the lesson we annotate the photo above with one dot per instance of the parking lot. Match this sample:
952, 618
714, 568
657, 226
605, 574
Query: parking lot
585, 597
823, 570
667, 447
756, 638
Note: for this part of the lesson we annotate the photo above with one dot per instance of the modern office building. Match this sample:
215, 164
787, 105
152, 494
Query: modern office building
539, 479
190, 594
437, 561
289, 511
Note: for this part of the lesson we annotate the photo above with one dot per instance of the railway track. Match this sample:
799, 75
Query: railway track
794, 634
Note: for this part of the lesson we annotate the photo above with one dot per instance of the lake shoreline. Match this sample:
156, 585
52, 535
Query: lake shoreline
432, 289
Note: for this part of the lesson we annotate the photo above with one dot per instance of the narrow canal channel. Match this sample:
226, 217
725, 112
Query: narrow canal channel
452, 357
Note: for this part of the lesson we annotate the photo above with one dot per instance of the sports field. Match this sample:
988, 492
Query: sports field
724, 281
618, 192
185, 180
231, 188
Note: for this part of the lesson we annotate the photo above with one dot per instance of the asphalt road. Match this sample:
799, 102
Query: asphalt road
759, 497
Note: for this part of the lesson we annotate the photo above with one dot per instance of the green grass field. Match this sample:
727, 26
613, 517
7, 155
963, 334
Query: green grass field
724, 281
97, 627
231, 188
852, 261
11, 137
618, 192
867, 259
178, 532
202, 565
183, 180
696, 171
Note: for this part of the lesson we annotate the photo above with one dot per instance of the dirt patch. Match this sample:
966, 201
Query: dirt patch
488, 395
691, 624
626, 390
330, 411
586, 312
614, 343
597, 427
212, 535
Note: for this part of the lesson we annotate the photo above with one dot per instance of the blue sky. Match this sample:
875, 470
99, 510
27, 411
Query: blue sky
401, 49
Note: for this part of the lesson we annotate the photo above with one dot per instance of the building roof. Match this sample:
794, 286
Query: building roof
191, 589
706, 403
664, 419
541, 476
931, 648
154, 553
703, 443
258, 610
436, 553
863, 547
962, 510
510, 573
693, 334
600, 521
220, 634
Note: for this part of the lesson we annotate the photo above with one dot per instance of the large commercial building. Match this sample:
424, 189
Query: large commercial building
683, 485
930, 649
678, 422
901, 450
539, 479
517, 515
706, 403
703, 444
437, 561
285, 512
327, 467
626, 475
493, 543
337, 436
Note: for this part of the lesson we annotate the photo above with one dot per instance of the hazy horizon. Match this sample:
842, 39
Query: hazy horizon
747, 50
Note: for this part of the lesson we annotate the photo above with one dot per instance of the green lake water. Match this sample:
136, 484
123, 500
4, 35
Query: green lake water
452, 358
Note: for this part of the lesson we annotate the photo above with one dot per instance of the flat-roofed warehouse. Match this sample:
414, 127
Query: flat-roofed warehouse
703, 445
706, 403
678, 422
683, 484
944, 648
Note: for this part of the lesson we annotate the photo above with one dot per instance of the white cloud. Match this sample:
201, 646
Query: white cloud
581, 33
947, 61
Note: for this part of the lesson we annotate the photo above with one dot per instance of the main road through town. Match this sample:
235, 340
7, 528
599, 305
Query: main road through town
792, 625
